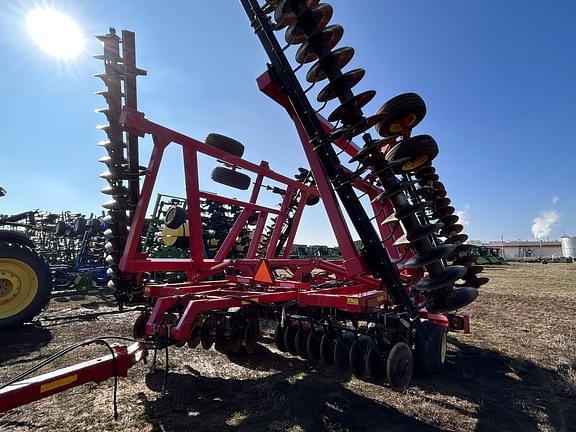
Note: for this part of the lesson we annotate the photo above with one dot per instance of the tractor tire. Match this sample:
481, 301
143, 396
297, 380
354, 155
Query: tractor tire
25, 285
175, 216
430, 348
421, 149
312, 200
407, 108
231, 178
226, 144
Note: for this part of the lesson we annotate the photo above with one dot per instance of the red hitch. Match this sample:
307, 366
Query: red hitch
97, 370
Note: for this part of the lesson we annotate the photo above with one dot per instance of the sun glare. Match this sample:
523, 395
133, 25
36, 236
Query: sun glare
56, 33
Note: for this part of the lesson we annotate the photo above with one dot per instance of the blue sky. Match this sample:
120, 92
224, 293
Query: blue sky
499, 79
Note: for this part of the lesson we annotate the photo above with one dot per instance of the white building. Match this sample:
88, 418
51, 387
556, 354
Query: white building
526, 249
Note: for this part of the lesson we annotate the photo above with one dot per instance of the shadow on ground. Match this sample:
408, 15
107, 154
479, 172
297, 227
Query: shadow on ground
510, 394
265, 360
21, 342
275, 403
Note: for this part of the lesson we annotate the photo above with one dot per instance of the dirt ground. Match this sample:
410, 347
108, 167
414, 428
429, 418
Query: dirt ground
515, 372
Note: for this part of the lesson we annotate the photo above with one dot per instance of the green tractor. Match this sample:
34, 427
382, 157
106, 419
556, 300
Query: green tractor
25, 281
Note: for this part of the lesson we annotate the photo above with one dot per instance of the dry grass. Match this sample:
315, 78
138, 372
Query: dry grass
516, 371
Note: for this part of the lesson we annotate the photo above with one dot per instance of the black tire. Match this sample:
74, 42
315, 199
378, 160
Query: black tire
21, 265
16, 237
231, 178
430, 348
175, 216
421, 149
312, 200
407, 107
225, 143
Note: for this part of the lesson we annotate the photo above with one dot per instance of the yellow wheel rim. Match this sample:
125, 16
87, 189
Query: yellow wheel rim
412, 164
170, 235
18, 286
407, 121
443, 347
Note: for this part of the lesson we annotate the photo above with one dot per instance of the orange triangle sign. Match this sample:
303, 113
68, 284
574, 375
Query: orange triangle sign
263, 273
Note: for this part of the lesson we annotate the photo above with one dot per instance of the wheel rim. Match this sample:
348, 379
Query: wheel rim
413, 164
407, 121
18, 286
170, 215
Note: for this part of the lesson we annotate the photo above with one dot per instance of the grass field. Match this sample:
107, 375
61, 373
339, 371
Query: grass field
515, 372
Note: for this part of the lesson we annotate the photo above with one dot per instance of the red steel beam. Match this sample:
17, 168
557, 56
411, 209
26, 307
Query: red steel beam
97, 370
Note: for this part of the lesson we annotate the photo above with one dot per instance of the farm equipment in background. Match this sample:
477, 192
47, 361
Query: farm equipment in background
167, 231
25, 283
70, 243
489, 256
76, 251
315, 251
378, 311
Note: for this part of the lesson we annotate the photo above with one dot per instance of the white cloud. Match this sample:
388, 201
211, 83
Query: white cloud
464, 215
555, 199
542, 225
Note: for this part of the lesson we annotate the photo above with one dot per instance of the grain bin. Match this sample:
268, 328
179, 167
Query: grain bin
568, 246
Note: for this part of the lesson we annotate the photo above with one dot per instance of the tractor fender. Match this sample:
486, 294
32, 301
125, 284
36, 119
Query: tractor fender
16, 237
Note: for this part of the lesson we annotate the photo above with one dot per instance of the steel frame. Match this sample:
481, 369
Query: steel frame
365, 292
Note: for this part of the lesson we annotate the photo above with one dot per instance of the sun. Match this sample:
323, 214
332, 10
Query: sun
56, 33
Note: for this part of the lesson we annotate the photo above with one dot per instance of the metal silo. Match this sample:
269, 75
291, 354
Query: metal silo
568, 246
